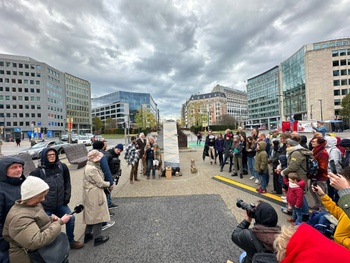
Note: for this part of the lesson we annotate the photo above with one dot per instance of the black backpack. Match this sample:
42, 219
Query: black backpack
311, 167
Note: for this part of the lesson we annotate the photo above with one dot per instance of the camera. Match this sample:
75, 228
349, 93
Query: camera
250, 208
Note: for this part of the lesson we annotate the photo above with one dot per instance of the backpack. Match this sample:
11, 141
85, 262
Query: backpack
311, 167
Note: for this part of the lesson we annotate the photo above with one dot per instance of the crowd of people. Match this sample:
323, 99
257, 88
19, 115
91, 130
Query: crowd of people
285, 158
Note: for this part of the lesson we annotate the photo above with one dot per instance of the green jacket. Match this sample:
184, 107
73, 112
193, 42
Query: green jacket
261, 158
344, 200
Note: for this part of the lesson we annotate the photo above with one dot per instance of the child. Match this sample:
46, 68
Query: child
260, 165
296, 198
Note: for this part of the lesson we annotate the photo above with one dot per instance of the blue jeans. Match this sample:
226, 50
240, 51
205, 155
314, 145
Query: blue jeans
263, 180
149, 167
251, 162
225, 160
299, 212
61, 211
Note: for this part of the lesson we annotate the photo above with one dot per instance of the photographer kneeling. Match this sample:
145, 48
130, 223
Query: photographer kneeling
260, 238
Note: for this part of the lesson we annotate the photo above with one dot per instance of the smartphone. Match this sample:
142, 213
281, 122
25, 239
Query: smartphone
314, 183
332, 166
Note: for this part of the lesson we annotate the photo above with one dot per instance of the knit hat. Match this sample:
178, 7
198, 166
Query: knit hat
120, 147
94, 156
345, 143
98, 145
292, 142
33, 186
266, 215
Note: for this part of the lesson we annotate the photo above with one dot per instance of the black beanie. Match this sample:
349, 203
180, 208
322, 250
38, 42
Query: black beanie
266, 215
98, 145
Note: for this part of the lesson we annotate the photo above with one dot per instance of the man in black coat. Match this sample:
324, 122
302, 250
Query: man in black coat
11, 178
258, 239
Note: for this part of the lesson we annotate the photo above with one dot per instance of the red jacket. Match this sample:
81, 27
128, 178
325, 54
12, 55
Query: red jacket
307, 245
321, 155
295, 195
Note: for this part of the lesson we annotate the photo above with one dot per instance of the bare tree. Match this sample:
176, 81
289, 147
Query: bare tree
226, 120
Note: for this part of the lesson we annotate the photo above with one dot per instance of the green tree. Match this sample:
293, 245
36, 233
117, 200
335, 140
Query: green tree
97, 124
345, 103
145, 119
110, 123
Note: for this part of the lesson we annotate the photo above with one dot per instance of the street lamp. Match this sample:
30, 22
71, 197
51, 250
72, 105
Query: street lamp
321, 109
311, 111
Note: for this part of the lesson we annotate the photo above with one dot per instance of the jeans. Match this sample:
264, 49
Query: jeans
251, 162
61, 211
299, 212
109, 199
149, 167
263, 180
227, 156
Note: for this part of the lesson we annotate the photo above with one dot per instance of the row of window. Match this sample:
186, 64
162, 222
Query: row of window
20, 73
28, 124
19, 65
19, 89
341, 62
20, 81
342, 72
342, 82
20, 98
342, 92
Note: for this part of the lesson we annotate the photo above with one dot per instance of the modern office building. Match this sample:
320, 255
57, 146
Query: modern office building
123, 105
32, 96
78, 99
312, 83
263, 99
36, 98
237, 103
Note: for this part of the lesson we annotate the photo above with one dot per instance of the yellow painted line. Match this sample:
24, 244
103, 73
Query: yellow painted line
247, 187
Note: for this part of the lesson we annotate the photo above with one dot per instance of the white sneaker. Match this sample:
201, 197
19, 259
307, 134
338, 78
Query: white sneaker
257, 181
251, 178
108, 225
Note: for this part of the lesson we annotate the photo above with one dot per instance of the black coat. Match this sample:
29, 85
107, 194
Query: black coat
10, 191
57, 176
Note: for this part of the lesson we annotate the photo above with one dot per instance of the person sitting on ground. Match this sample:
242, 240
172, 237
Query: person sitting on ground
259, 238
95, 201
342, 232
27, 226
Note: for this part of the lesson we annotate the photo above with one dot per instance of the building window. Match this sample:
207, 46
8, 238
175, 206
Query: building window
336, 92
342, 52
344, 82
336, 82
343, 72
344, 92
335, 72
337, 102
32, 107
27, 115
343, 62
335, 63
334, 53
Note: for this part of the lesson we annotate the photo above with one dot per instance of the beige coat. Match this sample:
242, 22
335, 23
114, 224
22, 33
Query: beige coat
95, 201
28, 227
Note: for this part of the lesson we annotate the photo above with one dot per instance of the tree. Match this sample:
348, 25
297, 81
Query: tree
345, 103
227, 120
145, 119
110, 123
97, 124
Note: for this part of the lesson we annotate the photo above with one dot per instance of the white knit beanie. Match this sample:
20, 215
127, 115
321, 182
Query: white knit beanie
32, 186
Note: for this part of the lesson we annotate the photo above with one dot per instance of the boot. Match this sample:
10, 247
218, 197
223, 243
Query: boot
100, 240
87, 238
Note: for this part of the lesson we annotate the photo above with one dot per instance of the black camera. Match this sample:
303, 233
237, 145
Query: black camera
250, 208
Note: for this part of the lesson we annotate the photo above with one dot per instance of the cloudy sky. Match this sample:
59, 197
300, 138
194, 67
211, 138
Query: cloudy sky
169, 48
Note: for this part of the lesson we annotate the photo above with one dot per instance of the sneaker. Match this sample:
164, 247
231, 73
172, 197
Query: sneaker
251, 178
112, 206
257, 181
108, 225
111, 214
76, 245
286, 211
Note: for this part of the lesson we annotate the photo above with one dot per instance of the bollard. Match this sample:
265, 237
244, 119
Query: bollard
168, 172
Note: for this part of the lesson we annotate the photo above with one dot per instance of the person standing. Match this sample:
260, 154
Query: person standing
219, 147
199, 138
210, 143
238, 149
228, 153
141, 144
56, 175
260, 165
132, 156
11, 178
18, 141
320, 128
95, 202
153, 157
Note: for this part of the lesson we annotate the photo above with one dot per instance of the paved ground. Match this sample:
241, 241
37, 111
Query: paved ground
194, 215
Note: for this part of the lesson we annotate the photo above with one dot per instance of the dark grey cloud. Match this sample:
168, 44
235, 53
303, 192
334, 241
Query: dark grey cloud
169, 48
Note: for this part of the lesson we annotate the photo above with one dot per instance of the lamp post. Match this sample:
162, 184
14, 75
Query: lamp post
321, 109
311, 111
